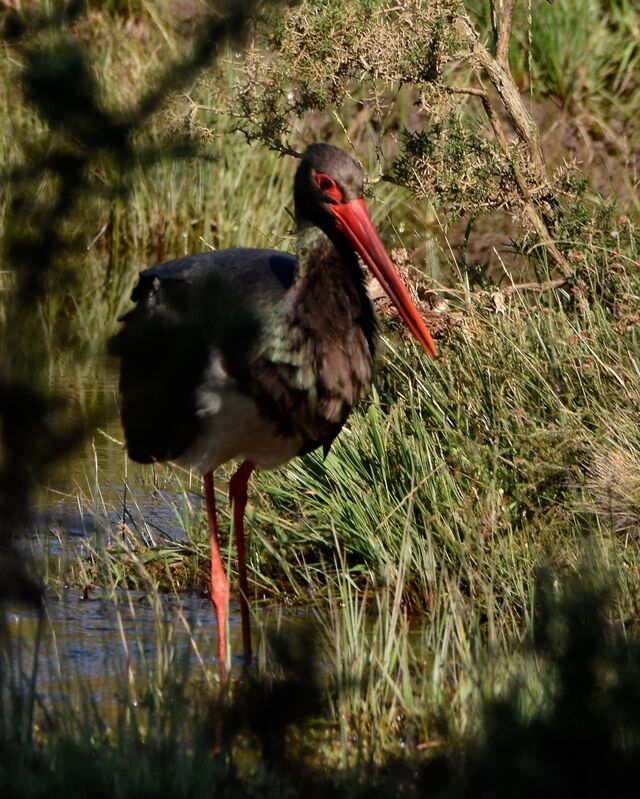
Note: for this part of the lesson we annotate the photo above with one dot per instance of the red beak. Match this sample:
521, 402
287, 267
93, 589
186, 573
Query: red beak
352, 219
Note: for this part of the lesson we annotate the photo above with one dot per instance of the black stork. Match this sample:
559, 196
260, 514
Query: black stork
258, 355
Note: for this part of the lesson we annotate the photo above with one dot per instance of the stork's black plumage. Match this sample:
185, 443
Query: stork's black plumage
256, 354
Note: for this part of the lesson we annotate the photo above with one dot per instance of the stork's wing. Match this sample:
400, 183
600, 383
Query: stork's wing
185, 309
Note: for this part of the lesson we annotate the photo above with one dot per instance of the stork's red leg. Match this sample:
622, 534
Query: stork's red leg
238, 499
219, 582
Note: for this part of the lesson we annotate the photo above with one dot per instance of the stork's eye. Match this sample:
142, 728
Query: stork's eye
329, 186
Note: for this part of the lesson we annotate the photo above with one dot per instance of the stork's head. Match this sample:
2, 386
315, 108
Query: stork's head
329, 193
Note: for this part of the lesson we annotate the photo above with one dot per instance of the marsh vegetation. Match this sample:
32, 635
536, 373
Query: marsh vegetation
449, 601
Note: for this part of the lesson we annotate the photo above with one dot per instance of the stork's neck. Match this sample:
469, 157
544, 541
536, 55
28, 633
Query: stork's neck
324, 261
328, 296
309, 240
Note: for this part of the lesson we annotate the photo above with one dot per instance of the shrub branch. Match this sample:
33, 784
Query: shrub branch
498, 72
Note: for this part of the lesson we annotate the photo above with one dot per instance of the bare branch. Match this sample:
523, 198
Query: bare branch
463, 90
502, 47
504, 84
494, 23
525, 127
529, 207
548, 285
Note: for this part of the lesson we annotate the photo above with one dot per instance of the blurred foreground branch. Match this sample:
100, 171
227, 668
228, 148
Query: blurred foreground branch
85, 151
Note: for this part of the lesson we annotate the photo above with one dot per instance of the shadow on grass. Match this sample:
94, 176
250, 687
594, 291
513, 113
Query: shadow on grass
569, 726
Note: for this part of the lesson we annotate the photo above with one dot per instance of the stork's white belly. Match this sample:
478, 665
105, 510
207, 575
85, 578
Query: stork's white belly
233, 427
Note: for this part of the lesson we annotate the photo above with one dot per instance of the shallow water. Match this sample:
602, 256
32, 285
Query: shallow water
99, 641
